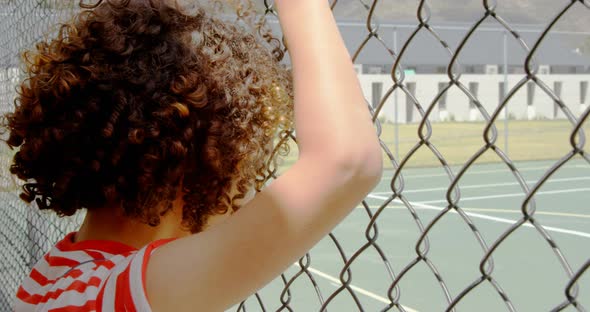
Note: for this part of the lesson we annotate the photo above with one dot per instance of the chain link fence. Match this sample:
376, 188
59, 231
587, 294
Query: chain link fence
27, 233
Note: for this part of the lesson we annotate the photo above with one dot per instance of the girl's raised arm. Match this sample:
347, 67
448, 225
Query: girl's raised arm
340, 162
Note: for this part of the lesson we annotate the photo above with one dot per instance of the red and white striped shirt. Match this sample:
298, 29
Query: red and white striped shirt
88, 276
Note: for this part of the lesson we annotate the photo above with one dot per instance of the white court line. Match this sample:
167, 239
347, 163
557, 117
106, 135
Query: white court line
541, 213
508, 195
486, 217
554, 214
530, 182
482, 172
355, 288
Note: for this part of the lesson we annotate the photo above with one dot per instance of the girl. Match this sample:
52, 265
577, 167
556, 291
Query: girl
155, 120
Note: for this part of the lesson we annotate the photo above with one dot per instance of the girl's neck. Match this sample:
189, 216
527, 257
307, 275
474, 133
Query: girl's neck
112, 225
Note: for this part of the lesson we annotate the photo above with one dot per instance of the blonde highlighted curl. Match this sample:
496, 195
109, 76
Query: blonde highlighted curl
135, 98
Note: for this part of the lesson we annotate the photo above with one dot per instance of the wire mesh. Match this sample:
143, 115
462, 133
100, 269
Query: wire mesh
27, 233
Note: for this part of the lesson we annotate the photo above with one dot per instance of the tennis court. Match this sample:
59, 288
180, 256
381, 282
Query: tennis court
525, 265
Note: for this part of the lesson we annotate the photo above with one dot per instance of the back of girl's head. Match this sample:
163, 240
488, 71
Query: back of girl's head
136, 99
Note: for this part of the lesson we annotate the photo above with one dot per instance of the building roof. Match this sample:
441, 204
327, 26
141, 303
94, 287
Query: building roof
486, 45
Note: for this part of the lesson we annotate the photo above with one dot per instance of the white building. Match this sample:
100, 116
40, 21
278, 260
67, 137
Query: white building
562, 70
528, 103
561, 67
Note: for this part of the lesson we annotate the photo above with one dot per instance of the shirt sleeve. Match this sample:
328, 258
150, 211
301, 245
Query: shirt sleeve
124, 289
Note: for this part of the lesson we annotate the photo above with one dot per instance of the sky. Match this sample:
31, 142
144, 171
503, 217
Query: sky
533, 12
529, 14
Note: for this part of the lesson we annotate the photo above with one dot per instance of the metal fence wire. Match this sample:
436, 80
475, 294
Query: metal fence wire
26, 234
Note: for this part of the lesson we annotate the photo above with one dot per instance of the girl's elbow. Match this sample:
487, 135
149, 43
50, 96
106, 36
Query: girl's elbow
371, 168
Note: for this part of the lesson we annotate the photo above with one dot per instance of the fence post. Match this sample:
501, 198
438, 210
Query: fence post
505, 91
395, 102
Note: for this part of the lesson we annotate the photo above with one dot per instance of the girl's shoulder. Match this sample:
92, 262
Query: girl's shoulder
89, 274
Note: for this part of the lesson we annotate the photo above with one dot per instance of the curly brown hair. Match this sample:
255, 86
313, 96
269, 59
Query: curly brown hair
135, 99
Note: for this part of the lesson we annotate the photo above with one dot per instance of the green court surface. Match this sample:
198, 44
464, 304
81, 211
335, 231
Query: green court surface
525, 265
